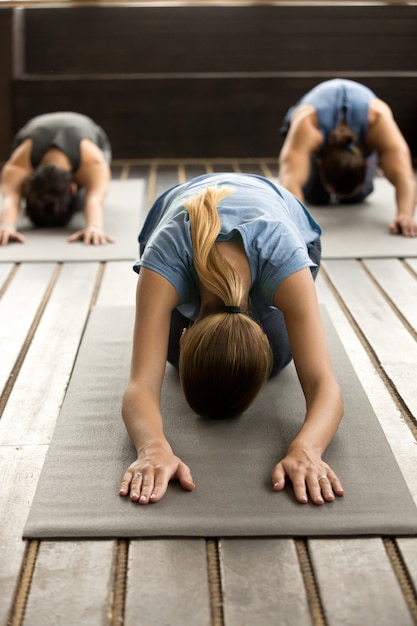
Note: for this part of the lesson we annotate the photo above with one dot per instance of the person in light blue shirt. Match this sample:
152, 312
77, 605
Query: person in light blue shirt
226, 293
335, 136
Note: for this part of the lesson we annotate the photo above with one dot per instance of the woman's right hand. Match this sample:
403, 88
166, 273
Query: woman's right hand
9, 233
147, 478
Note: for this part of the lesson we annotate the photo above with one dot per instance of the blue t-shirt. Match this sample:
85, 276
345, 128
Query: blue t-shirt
275, 227
334, 100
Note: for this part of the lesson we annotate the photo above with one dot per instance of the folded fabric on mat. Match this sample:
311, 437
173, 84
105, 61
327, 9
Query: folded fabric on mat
361, 230
231, 460
125, 210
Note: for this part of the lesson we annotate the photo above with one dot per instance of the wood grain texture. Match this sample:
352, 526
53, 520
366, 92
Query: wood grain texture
394, 346
351, 575
74, 582
262, 580
209, 80
168, 583
71, 584
17, 311
39, 389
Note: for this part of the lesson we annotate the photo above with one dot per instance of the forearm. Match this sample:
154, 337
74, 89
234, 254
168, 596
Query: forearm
93, 211
292, 177
323, 416
148, 476
142, 417
303, 464
405, 195
9, 214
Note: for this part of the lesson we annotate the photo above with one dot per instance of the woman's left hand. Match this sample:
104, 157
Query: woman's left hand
309, 475
404, 225
93, 235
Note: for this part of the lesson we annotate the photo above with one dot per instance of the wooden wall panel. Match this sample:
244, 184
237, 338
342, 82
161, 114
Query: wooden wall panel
111, 40
209, 81
6, 28
196, 117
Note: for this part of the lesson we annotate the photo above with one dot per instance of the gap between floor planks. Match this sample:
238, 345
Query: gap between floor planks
24, 440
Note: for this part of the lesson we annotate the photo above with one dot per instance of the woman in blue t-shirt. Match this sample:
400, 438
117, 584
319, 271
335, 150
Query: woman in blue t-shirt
227, 271
336, 135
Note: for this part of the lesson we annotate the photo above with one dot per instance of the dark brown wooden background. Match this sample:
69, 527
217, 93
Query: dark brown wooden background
199, 80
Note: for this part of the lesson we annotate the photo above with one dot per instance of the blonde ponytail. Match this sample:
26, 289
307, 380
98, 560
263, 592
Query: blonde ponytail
215, 273
225, 358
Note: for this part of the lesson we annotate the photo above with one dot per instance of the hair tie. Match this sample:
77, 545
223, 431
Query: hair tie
348, 146
232, 309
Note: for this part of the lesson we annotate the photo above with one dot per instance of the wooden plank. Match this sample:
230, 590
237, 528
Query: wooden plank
32, 409
20, 467
118, 285
192, 170
408, 549
17, 311
251, 168
262, 583
168, 583
399, 436
5, 269
399, 285
413, 264
342, 567
70, 585
167, 176
357, 583
393, 345
219, 167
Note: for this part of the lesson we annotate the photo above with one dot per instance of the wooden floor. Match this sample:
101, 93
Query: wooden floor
44, 308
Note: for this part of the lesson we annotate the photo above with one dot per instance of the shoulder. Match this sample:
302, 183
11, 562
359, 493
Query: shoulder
378, 109
18, 167
91, 154
21, 154
304, 133
305, 116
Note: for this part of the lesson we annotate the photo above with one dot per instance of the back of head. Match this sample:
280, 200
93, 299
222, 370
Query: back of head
343, 164
224, 362
49, 197
226, 357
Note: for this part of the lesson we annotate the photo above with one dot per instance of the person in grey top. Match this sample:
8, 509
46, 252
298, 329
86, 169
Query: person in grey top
336, 135
59, 163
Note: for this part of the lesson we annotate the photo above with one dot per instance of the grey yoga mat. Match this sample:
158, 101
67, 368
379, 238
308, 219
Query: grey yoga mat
361, 230
125, 209
231, 460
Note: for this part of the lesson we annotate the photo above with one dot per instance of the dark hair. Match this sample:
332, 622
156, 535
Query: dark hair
226, 357
49, 197
343, 164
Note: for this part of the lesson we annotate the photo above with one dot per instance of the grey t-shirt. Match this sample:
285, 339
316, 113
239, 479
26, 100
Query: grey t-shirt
63, 130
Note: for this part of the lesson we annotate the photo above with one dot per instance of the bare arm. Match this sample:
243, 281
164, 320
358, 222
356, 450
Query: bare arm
303, 464
302, 141
12, 179
94, 176
156, 462
385, 137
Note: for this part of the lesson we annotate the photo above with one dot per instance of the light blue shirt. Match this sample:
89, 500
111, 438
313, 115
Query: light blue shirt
275, 227
335, 100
